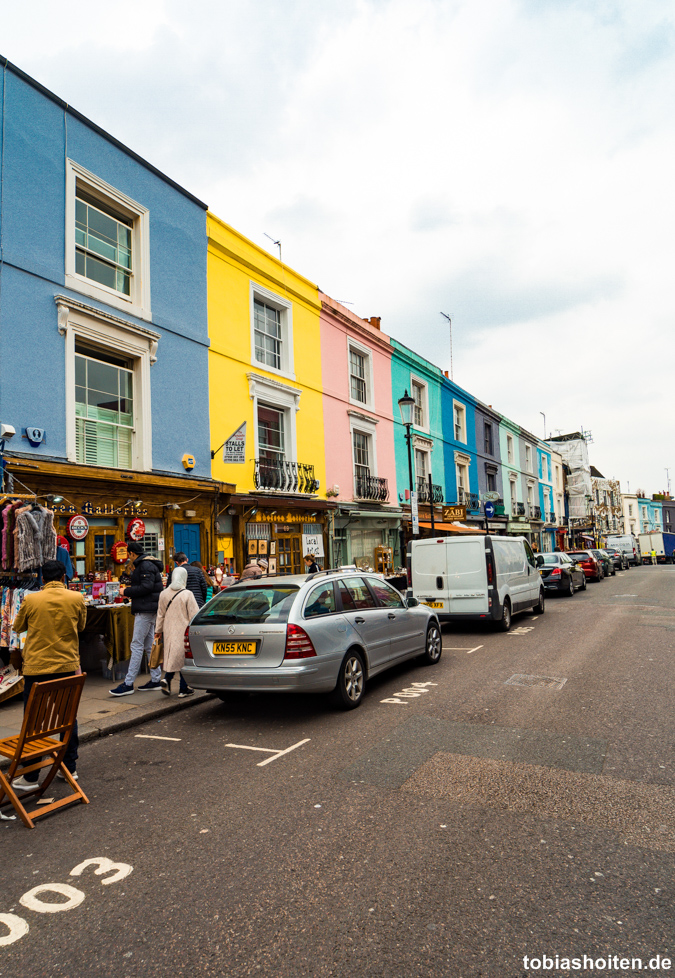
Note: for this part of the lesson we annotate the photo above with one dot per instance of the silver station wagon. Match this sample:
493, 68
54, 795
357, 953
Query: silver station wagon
328, 632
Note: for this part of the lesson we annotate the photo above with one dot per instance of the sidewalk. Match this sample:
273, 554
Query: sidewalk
101, 714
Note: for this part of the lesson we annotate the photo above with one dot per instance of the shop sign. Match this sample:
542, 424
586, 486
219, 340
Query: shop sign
414, 512
77, 528
120, 552
312, 543
136, 529
108, 509
281, 517
452, 513
518, 527
234, 449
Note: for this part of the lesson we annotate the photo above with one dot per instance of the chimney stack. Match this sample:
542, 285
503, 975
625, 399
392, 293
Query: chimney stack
375, 321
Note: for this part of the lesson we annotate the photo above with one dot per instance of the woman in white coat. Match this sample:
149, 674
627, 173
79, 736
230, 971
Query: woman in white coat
177, 606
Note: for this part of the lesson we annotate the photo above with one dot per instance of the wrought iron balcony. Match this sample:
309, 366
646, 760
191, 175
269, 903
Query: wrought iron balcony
423, 494
520, 509
279, 475
535, 512
550, 517
370, 487
469, 499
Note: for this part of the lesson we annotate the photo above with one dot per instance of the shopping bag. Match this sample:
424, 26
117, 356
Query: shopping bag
157, 653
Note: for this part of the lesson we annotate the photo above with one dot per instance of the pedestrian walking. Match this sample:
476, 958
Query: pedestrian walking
195, 578
53, 618
311, 564
144, 591
177, 607
251, 572
653, 556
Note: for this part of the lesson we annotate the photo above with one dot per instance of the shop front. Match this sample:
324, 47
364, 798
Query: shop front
281, 531
98, 512
370, 539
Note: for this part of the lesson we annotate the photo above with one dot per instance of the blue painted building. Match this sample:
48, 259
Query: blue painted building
103, 330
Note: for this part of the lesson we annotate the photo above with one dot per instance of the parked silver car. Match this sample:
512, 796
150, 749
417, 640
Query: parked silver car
328, 632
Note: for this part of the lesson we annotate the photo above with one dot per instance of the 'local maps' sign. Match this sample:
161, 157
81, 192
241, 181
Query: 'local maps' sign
234, 449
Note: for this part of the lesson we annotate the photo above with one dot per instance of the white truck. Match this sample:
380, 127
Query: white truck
627, 543
663, 544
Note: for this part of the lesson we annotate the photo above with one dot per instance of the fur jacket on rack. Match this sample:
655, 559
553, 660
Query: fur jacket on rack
34, 537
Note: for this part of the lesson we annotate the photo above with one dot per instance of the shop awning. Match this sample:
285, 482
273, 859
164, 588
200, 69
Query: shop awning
586, 536
453, 527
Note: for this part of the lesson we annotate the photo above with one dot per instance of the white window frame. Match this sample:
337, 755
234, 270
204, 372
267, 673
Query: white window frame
425, 402
528, 458
462, 462
366, 427
367, 353
78, 321
285, 307
462, 410
281, 397
509, 448
487, 424
138, 302
544, 469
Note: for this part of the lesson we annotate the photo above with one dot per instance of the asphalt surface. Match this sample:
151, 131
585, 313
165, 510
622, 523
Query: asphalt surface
451, 833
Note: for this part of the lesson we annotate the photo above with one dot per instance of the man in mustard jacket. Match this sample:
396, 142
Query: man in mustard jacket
54, 617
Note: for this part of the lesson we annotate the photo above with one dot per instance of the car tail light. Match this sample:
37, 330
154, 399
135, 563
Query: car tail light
298, 643
490, 570
556, 572
186, 644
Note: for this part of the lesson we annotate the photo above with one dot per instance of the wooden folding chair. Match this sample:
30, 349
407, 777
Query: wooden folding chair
51, 711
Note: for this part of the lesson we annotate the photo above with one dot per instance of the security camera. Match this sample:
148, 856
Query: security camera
7, 431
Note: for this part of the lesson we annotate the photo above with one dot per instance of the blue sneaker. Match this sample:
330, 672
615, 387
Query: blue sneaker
122, 690
150, 687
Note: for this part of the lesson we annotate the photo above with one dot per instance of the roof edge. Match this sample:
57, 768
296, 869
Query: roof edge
24, 76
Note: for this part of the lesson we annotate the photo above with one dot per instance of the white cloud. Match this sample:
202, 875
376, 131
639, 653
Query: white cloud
507, 161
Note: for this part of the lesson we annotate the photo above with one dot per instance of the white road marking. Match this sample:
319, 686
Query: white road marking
410, 692
449, 648
522, 630
18, 927
154, 737
30, 899
104, 866
270, 750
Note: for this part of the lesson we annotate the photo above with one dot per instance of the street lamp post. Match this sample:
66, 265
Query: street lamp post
406, 405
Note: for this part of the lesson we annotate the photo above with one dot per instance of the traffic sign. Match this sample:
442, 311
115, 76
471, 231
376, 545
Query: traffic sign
489, 510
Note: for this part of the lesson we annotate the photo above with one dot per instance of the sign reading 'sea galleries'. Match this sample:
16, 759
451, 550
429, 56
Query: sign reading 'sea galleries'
234, 449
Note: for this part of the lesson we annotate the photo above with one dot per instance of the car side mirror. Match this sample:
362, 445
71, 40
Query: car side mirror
412, 602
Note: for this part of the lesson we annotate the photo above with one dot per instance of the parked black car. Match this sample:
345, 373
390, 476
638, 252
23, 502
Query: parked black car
606, 561
560, 573
618, 558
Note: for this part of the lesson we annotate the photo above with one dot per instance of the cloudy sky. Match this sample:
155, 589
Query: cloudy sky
508, 162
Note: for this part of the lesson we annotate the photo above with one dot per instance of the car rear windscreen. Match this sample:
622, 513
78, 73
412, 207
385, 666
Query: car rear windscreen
248, 606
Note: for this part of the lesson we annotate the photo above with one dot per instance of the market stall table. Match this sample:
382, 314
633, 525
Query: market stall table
116, 624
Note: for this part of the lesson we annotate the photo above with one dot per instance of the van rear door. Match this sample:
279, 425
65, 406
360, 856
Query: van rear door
467, 586
430, 573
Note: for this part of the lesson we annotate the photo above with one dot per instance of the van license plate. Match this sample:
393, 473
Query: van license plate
234, 648
432, 604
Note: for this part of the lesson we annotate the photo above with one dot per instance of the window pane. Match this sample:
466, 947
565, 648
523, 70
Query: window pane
102, 377
270, 432
359, 592
361, 449
386, 595
321, 601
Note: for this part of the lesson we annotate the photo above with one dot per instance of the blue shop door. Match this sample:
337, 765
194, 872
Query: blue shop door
186, 538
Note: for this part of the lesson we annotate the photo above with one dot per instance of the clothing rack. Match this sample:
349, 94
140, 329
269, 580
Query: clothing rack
16, 495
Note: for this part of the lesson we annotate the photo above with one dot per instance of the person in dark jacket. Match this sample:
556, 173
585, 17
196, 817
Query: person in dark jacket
196, 582
311, 564
144, 591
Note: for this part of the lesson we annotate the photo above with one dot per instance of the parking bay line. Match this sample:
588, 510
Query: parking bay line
449, 648
154, 737
270, 750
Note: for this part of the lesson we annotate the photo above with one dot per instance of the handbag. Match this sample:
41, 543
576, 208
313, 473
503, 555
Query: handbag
157, 650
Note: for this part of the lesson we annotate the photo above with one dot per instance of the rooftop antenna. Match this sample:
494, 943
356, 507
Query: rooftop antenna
544, 417
277, 243
668, 478
446, 316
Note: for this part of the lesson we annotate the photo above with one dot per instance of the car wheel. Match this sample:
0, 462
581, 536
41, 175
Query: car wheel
504, 624
226, 697
434, 645
351, 682
584, 585
570, 590
540, 606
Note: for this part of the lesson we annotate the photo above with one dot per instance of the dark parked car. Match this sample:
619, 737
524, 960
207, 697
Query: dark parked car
618, 558
560, 573
591, 567
607, 562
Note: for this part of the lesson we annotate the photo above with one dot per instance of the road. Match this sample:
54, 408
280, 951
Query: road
450, 833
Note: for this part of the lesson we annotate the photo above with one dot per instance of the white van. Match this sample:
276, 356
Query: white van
476, 578
628, 544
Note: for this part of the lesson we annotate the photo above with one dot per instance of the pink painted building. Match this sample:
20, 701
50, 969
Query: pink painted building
359, 436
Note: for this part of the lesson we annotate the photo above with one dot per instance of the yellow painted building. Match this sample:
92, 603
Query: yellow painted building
265, 372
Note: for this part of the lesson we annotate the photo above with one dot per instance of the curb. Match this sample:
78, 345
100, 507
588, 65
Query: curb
94, 729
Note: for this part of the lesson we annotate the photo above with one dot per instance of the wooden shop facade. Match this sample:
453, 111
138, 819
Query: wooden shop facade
97, 508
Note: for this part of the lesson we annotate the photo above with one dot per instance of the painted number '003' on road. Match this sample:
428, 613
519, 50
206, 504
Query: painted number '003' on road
234, 648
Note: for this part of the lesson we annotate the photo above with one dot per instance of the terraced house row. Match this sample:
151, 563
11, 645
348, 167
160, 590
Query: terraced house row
157, 366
